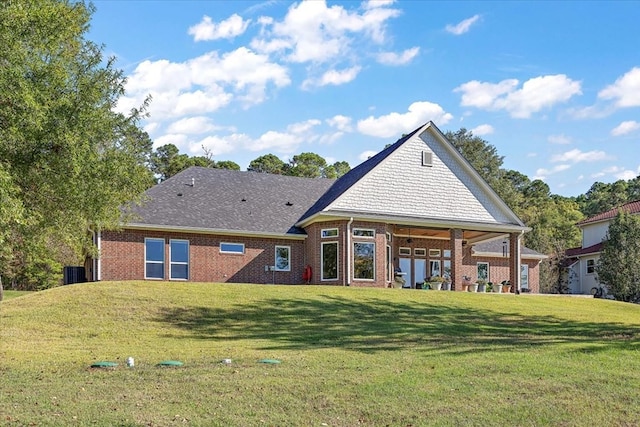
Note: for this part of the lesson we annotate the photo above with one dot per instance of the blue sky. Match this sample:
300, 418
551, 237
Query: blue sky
555, 86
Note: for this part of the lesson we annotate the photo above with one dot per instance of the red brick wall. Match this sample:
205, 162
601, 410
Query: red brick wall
122, 258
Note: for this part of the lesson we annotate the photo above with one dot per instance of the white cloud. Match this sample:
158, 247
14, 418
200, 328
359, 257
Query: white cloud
313, 32
395, 124
618, 173
221, 145
366, 155
463, 26
340, 122
625, 91
543, 173
192, 125
536, 94
202, 84
333, 77
577, 156
625, 128
482, 130
179, 140
208, 30
395, 59
560, 139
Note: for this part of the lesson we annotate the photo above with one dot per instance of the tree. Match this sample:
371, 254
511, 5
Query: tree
166, 161
340, 168
269, 163
228, 164
619, 264
71, 161
308, 165
482, 155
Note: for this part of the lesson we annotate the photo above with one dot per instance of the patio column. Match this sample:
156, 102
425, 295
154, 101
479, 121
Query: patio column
514, 260
456, 258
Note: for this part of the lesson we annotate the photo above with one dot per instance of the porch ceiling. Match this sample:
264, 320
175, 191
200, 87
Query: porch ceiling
472, 236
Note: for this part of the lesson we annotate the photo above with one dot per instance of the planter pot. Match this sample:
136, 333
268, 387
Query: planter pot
481, 288
506, 289
465, 287
497, 288
473, 288
446, 286
436, 285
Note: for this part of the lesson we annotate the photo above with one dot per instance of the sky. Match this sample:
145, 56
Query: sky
554, 86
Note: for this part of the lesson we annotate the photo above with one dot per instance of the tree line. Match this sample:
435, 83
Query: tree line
69, 162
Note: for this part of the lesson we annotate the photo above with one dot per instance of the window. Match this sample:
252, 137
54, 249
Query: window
283, 258
179, 259
446, 253
591, 266
420, 252
524, 276
153, 258
329, 232
434, 253
364, 232
483, 271
446, 268
388, 237
231, 248
364, 260
329, 257
404, 251
434, 268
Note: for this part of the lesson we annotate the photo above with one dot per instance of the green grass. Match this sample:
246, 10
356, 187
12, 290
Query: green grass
14, 294
350, 357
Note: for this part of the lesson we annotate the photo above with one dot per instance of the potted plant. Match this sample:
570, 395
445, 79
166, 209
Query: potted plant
497, 287
481, 285
466, 282
435, 282
506, 286
489, 287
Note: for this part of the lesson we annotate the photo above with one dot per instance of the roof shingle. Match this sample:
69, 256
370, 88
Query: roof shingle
220, 199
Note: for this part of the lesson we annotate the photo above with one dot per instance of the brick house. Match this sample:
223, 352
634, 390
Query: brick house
417, 206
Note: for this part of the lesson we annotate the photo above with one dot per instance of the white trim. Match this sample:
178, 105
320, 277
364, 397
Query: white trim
374, 263
488, 278
322, 231
349, 237
231, 252
336, 215
334, 242
421, 252
275, 258
407, 251
98, 267
157, 239
367, 230
220, 232
171, 262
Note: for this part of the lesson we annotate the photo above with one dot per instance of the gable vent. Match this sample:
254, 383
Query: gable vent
427, 158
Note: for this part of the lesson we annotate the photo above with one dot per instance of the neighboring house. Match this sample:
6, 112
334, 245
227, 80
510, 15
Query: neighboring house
581, 262
418, 205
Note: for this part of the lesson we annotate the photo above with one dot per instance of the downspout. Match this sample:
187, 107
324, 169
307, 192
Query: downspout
519, 263
98, 268
348, 269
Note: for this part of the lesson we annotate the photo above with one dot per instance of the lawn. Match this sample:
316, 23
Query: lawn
348, 357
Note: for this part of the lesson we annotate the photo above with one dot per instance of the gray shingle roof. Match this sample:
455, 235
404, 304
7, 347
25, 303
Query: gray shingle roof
221, 199
495, 247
